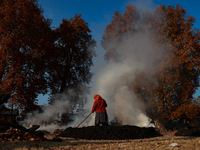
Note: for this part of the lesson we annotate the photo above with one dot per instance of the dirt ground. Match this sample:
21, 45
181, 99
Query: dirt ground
166, 142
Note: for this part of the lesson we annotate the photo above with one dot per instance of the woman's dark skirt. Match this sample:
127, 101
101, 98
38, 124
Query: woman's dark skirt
101, 118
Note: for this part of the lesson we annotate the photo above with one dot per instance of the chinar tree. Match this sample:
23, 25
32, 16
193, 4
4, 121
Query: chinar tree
37, 59
178, 81
25, 36
70, 71
174, 78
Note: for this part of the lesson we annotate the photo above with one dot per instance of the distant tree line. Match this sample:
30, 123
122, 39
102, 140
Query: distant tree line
36, 59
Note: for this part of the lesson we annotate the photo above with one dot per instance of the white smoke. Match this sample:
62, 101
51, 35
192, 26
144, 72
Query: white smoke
49, 118
137, 54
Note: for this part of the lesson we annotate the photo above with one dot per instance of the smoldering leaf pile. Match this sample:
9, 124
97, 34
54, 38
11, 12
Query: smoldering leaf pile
110, 132
13, 134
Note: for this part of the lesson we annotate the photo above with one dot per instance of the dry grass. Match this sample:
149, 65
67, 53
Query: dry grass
157, 143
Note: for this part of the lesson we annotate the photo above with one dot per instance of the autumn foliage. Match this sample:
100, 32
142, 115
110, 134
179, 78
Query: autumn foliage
170, 87
22, 72
34, 58
71, 66
186, 111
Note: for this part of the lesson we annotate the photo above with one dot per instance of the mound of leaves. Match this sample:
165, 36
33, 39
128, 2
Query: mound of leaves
13, 134
110, 132
188, 132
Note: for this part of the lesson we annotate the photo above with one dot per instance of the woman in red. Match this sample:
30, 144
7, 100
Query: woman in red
99, 107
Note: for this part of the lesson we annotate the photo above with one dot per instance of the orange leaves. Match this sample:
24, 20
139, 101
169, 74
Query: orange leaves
26, 37
34, 58
179, 76
186, 111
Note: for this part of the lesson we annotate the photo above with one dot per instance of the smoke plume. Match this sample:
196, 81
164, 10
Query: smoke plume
136, 54
50, 114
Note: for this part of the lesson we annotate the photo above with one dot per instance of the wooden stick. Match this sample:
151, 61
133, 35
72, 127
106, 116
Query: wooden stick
84, 120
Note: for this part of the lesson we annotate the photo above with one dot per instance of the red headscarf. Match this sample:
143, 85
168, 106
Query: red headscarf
97, 97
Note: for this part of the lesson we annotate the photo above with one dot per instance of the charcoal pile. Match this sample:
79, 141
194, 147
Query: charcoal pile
188, 132
110, 133
13, 134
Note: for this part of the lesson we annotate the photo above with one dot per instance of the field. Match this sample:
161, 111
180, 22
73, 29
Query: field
99, 138
160, 143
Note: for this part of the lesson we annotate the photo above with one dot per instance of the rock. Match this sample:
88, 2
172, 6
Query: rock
173, 145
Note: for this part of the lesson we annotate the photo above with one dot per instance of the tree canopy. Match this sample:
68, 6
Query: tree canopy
71, 67
170, 86
24, 40
36, 59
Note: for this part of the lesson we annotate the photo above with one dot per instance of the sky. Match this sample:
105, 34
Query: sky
98, 14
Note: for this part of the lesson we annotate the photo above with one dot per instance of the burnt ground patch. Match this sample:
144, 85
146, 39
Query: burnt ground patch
110, 132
